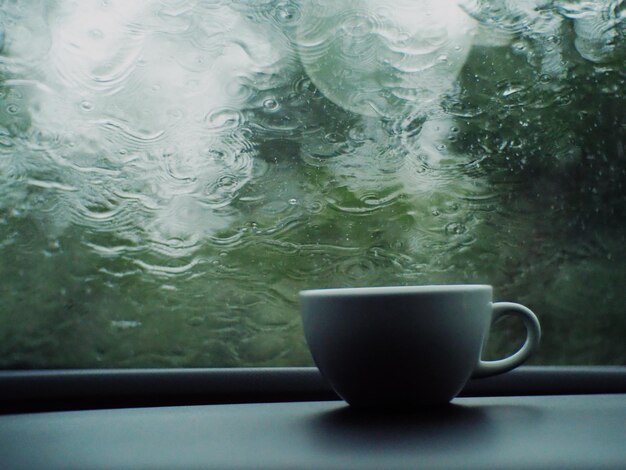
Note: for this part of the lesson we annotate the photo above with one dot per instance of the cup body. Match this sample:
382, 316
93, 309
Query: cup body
397, 346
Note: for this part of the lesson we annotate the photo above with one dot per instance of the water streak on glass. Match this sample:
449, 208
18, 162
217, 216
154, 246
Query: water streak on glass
173, 172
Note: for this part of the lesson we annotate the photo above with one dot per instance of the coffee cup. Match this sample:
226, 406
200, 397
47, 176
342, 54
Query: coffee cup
407, 346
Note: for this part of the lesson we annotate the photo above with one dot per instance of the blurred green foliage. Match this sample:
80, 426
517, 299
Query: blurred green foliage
527, 193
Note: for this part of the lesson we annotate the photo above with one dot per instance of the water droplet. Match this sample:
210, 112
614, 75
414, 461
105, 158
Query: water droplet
224, 119
125, 324
333, 137
358, 270
508, 89
293, 201
357, 134
12, 109
287, 13
270, 104
554, 39
306, 87
315, 207
86, 105
227, 181
455, 228
459, 108
54, 245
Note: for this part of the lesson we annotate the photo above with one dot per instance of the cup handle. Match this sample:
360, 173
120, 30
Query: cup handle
533, 335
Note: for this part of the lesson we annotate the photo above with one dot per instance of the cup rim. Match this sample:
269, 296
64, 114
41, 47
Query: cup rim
395, 290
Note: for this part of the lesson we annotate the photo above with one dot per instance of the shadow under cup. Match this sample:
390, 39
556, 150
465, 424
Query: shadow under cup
406, 346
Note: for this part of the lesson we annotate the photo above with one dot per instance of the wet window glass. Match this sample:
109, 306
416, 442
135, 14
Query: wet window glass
173, 172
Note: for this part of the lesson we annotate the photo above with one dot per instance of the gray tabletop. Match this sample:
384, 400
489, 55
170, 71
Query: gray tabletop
573, 431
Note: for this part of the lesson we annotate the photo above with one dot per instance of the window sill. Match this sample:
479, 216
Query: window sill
46, 390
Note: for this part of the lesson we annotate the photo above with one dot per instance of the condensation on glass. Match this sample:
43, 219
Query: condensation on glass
172, 172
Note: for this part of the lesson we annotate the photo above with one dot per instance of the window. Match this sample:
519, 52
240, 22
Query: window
172, 173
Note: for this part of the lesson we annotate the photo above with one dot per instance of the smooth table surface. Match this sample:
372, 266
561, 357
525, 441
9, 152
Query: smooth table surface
571, 431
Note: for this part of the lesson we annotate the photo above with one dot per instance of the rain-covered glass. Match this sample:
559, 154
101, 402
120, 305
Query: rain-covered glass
173, 172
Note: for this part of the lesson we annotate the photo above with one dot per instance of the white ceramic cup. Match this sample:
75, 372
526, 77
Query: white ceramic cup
407, 346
